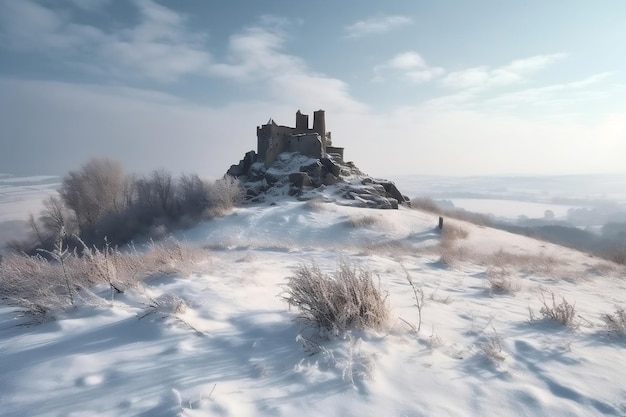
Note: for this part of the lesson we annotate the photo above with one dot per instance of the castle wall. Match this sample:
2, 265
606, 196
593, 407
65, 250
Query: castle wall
334, 150
273, 139
308, 144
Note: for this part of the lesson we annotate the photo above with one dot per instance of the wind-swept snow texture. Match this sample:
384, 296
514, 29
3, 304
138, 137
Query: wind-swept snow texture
225, 344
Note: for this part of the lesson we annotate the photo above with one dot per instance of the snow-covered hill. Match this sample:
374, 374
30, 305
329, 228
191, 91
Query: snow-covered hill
222, 342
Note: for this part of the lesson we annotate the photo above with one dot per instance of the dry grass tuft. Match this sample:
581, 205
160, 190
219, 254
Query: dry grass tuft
348, 299
616, 322
425, 204
492, 348
452, 255
536, 263
501, 281
451, 233
40, 285
393, 248
362, 221
563, 312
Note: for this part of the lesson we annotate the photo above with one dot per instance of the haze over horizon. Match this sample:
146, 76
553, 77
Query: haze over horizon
449, 88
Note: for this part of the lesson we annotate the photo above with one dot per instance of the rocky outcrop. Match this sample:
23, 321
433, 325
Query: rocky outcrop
306, 178
244, 165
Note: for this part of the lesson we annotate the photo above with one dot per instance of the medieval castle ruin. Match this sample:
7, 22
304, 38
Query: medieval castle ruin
263, 172
273, 139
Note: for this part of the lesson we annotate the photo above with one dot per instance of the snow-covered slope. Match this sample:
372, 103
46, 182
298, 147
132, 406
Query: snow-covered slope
235, 349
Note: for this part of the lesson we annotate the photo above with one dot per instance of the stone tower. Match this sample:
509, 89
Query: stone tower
302, 122
319, 124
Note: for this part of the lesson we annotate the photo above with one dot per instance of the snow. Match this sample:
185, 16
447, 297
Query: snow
20, 196
510, 209
17, 200
515, 196
236, 350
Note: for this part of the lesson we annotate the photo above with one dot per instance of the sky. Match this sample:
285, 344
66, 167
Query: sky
446, 87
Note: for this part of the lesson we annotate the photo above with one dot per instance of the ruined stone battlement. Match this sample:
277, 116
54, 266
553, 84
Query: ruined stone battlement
273, 139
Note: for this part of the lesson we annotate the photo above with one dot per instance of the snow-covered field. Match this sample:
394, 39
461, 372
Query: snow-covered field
19, 197
237, 350
510, 209
511, 197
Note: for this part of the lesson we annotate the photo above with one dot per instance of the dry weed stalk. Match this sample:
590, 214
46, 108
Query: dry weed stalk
418, 294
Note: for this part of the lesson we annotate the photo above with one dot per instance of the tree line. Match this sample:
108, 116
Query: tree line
99, 202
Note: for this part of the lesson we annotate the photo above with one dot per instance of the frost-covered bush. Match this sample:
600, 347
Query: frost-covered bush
40, 284
335, 303
563, 312
99, 202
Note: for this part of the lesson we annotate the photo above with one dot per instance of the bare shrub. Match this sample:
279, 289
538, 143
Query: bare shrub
60, 254
500, 281
56, 218
155, 197
425, 204
192, 195
39, 285
616, 322
166, 304
451, 232
347, 299
451, 255
563, 312
94, 190
223, 195
492, 348
429, 205
99, 201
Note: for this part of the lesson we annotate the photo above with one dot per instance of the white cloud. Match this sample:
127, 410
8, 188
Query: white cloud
376, 25
257, 55
159, 47
76, 122
534, 63
554, 95
484, 77
26, 25
410, 66
162, 47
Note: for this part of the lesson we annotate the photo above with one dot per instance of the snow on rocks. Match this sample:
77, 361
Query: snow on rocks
293, 174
